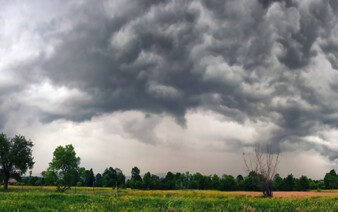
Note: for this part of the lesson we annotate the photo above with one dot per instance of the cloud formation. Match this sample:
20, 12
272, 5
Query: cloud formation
257, 63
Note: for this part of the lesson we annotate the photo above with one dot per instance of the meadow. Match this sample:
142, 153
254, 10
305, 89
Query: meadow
24, 198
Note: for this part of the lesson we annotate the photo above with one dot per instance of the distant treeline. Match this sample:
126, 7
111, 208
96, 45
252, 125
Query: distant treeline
115, 178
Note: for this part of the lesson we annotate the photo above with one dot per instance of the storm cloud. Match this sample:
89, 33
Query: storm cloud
268, 65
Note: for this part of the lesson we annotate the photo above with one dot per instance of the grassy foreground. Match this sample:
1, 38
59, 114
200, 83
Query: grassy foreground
104, 199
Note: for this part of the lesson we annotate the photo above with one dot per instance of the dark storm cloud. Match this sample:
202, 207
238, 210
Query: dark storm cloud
120, 78
247, 60
267, 3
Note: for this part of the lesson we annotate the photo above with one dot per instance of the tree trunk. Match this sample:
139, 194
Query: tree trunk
267, 188
6, 179
63, 189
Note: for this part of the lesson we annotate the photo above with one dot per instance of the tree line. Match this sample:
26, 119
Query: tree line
114, 177
64, 172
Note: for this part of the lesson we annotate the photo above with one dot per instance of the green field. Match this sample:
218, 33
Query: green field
105, 199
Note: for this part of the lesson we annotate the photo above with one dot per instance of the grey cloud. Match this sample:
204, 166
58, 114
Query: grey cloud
142, 129
267, 3
243, 59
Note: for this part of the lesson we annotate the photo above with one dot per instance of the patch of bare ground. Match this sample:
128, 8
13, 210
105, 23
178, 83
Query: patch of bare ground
300, 194
290, 194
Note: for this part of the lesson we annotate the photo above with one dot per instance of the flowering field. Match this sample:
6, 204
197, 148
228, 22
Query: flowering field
105, 199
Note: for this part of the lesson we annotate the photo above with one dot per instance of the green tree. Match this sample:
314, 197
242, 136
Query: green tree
82, 176
253, 181
331, 180
240, 182
98, 180
317, 184
179, 181
239, 178
303, 184
65, 166
50, 177
197, 181
120, 177
289, 183
150, 181
333, 173
32, 180
277, 182
147, 181
227, 183
136, 179
169, 181
135, 173
38, 182
89, 178
215, 182
15, 157
109, 177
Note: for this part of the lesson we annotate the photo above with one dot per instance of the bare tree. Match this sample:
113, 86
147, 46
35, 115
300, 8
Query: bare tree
264, 163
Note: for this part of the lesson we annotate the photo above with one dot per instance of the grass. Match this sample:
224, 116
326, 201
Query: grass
104, 199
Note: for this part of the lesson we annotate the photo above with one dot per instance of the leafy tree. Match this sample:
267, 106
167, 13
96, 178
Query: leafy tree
50, 177
65, 166
215, 182
38, 182
179, 180
303, 184
98, 180
187, 178
197, 181
82, 176
227, 183
239, 178
79, 184
331, 180
15, 157
120, 177
147, 181
32, 180
240, 183
169, 181
150, 181
89, 178
156, 181
136, 179
317, 184
333, 173
289, 183
109, 177
253, 182
277, 183
135, 173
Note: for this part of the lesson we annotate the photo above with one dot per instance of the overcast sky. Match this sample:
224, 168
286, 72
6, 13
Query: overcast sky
173, 85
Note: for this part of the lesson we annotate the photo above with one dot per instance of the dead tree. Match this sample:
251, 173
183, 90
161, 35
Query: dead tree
265, 164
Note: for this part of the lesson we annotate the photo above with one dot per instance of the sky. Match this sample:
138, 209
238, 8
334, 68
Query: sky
173, 85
